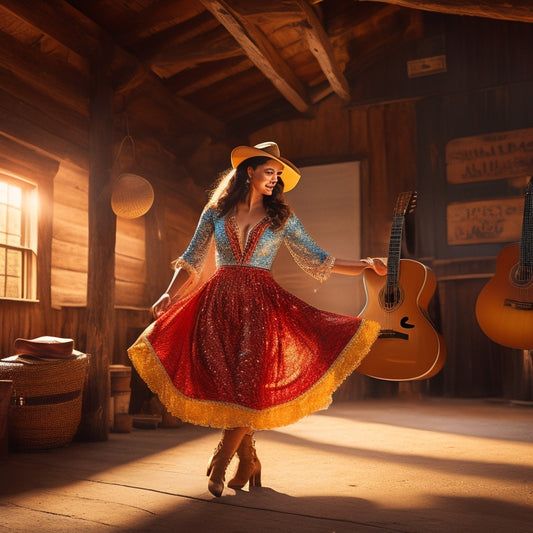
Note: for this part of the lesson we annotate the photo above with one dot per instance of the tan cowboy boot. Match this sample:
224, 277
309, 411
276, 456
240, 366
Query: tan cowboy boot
249, 469
219, 461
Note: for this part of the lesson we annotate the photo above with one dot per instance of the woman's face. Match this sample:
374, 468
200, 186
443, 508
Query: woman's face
264, 178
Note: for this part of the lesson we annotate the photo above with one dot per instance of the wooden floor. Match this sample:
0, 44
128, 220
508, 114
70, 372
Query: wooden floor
425, 466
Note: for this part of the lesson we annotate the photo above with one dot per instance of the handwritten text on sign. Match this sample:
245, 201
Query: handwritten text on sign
485, 221
507, 154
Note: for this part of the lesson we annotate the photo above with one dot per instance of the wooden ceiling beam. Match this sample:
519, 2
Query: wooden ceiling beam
197, 79
59, 20
515, 10
281, 12
70, 21
62, 83
261, 52
147, 47
141, 23
214, 45
320, 46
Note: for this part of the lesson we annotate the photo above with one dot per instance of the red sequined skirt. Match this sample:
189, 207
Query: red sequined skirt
242, 351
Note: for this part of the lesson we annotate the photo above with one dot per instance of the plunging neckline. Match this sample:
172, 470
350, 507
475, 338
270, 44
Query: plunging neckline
243, 245
244, 237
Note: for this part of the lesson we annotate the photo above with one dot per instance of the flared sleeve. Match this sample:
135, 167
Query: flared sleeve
196, 253
306, 252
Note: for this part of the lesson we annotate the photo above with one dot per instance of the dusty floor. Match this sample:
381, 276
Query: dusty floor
428, 466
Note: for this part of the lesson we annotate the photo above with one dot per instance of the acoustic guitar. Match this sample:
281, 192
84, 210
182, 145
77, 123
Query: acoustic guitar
408, 347
504, 307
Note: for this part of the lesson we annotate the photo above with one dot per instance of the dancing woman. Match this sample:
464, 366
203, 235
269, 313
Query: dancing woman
231, 348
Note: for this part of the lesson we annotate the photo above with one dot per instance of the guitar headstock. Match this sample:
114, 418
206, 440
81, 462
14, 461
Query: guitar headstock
405, 203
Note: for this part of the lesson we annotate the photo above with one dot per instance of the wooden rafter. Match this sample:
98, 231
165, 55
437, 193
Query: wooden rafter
146, 48
61, 29
214, 45
320, 47
64, 82
59, 20
261, 52
517, 10
154, 15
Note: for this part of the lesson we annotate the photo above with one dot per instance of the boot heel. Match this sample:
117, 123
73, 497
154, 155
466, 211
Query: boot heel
255, 480
249, 470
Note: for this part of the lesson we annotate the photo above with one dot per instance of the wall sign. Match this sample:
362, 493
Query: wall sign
493, 156
485, 221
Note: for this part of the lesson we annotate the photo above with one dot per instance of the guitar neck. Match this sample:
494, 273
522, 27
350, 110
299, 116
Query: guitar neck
526, 242
395, 243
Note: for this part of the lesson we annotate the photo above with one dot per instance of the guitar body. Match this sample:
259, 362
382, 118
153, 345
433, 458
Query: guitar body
504, 307
408, 348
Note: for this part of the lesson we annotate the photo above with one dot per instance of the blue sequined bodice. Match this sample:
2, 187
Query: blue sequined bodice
259, 248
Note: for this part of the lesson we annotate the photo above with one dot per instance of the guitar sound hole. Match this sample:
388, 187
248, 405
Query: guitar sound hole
390, 297
521, 276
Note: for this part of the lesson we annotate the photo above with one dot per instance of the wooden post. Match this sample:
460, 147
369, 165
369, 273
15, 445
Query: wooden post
102, 233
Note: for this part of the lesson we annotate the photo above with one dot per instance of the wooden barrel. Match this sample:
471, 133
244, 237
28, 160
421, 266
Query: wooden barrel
120, 376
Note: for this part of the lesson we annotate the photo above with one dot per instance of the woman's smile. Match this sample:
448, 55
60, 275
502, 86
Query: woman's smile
264, 178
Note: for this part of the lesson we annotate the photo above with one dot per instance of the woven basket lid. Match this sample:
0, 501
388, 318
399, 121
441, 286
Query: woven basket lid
132, 196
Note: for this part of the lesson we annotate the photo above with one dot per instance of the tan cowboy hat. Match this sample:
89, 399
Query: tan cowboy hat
290, 173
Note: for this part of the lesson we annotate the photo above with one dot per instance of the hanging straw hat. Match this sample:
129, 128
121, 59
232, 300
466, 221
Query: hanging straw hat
290, 174
132, 196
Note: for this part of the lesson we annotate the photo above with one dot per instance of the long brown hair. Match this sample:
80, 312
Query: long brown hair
234, 185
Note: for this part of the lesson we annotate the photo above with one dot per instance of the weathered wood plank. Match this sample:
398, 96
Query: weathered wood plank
73, 120
73, 89
195, 79
26, 129
214, 45
157, 244
62, 82
59, 20
132, 269
69, 286
261, 52
24, 161
133, 228
71, 215
69, 256
130, 246
131, 294
519, 10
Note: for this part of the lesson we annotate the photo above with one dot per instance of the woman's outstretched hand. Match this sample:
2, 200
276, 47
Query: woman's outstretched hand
376, 264
161, 305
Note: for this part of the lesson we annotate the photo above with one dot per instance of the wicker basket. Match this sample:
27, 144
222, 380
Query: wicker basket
46, 402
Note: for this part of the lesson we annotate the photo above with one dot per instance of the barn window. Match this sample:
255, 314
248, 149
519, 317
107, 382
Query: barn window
18, 238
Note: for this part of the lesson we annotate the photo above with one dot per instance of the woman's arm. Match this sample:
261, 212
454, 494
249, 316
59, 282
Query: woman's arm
189, 263
318, 263
354, 268
172, 293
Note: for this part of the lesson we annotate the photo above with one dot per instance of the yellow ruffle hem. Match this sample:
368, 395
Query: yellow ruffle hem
225, 415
